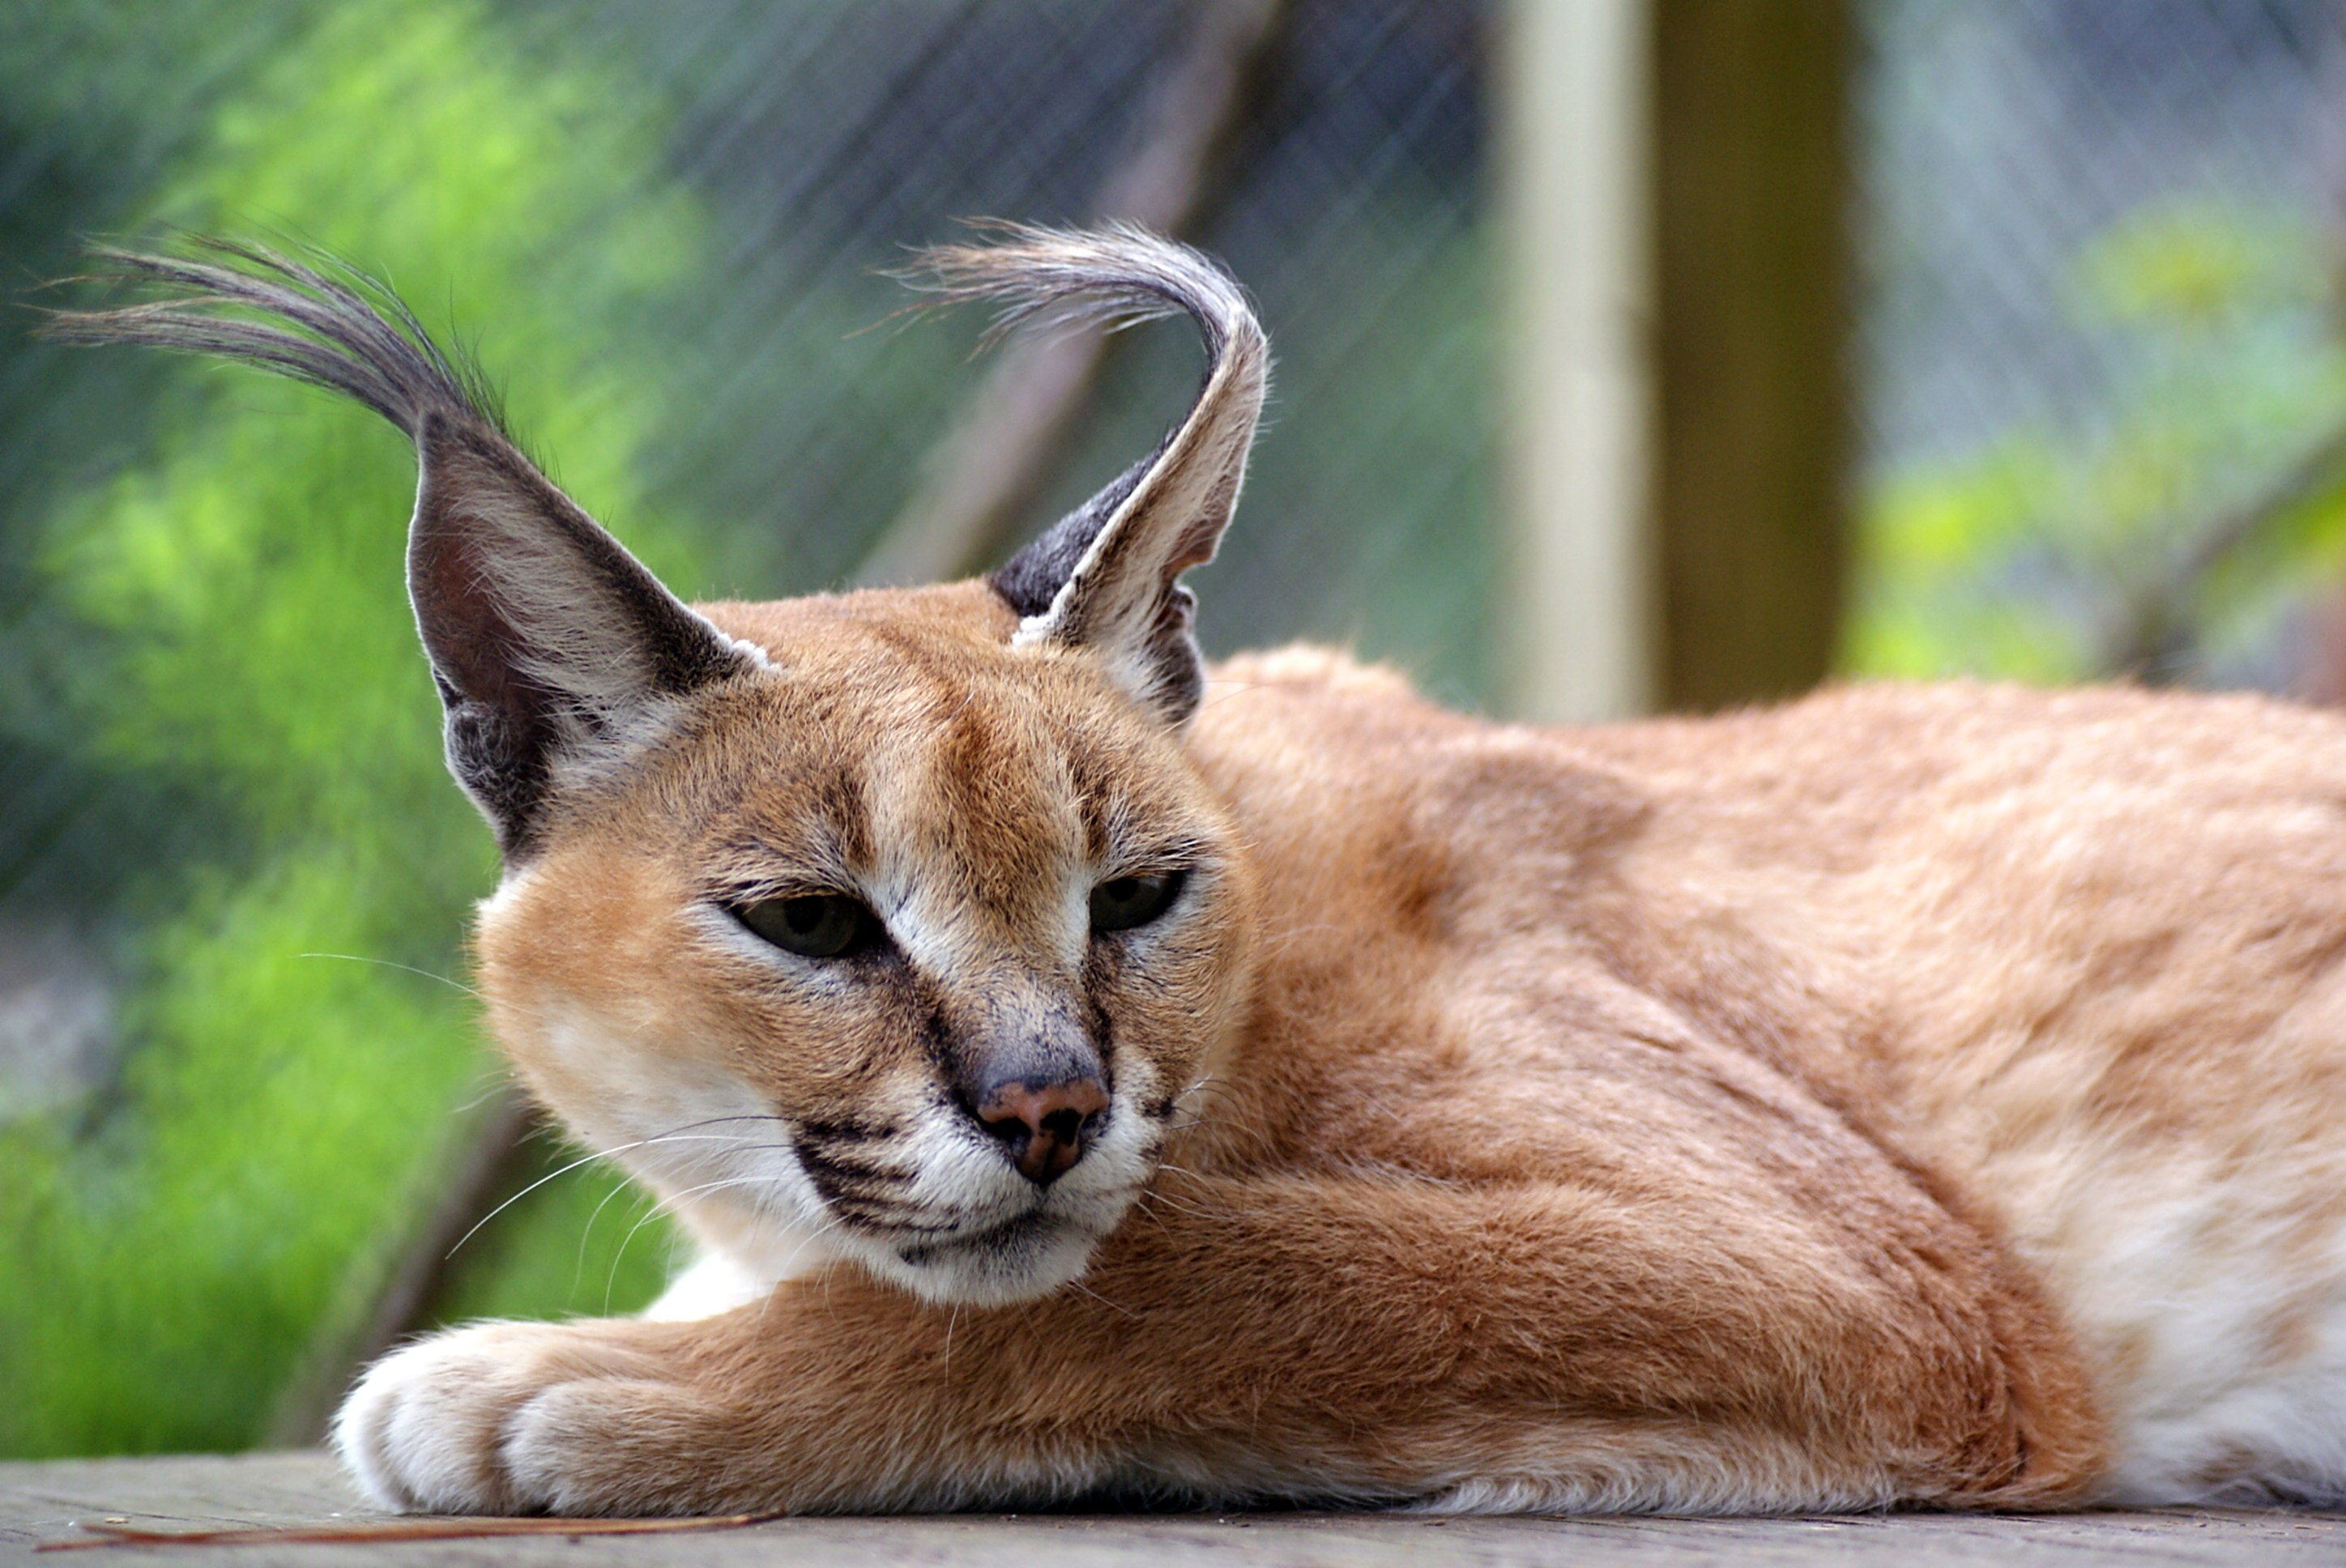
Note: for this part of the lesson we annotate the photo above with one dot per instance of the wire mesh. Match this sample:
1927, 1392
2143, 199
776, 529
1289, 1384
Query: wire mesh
663, 228
2101, 253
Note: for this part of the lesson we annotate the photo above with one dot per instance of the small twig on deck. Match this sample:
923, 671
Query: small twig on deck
393, 1530
978, 483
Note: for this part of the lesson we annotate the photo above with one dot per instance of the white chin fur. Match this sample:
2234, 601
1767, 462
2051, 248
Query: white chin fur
996, 1272
678, 1129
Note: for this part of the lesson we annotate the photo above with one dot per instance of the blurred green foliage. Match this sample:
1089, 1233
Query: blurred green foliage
218, 746
178, 1252
2210, 322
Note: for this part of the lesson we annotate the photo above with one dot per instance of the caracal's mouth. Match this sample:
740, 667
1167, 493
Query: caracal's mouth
1028, 1254
1019, 1232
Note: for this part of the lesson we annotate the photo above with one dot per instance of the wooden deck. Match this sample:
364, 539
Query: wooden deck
52, 1503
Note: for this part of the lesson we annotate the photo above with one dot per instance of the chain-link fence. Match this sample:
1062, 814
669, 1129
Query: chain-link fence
2104, 408
2099, 394
1341, 185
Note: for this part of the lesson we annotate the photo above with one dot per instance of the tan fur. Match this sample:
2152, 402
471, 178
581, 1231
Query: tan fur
1923, 1096
1687, 1114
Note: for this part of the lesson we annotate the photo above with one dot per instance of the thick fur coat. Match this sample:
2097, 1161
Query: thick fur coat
1091, 1074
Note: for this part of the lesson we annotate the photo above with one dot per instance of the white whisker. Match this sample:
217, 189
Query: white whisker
680, 1135
387, 963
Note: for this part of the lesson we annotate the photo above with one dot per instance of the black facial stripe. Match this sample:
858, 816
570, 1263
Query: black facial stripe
841, 1182
851, 1161
850, 1132
991, 1239
1103, 960
936, 1035
888, 1219
860, 1215
872, 1214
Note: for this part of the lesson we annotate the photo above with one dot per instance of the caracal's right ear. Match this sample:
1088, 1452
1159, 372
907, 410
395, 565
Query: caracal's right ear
1106, 577
553, 647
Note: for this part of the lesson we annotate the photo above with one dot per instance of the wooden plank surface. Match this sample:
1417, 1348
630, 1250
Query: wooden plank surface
45, 1503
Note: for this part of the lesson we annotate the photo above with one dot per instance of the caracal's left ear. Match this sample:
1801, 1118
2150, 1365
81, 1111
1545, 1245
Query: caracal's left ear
1105, 578
555, 653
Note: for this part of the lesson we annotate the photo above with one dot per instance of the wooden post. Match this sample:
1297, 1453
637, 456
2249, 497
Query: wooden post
1572, 77
1750, 256
1675, 183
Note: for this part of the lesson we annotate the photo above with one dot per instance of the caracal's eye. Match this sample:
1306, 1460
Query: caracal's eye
1120, 903
812, 925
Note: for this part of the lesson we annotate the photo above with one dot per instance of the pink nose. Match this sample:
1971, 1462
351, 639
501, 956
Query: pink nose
1043, 1127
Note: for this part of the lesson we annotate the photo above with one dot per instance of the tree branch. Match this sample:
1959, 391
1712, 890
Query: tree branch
2151, 635
977, 485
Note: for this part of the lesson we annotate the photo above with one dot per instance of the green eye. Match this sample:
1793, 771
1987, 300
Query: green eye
1120, 903
813, 925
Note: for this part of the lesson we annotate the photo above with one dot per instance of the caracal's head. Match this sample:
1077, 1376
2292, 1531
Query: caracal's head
908, 945
893, 926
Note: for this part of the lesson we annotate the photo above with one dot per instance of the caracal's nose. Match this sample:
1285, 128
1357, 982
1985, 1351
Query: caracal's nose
1042, 1126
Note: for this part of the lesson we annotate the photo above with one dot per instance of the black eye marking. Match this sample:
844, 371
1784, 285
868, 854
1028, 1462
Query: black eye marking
1121, 903
813, 925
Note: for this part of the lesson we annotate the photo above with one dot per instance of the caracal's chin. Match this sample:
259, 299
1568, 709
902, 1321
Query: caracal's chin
1027, 1258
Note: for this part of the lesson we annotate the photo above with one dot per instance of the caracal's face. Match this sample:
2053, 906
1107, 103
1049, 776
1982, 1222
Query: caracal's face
900, 756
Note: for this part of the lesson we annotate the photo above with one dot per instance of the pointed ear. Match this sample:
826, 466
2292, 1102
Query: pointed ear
1106, 577
550, 644
553, 648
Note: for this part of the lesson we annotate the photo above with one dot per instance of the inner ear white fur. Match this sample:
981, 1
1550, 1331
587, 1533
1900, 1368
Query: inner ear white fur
1105, 578
1173, 520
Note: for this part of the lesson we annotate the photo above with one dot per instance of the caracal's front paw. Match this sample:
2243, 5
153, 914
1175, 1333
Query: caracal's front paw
459, 1423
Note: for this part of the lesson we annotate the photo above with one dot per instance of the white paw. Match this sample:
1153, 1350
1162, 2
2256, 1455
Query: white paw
428, 1428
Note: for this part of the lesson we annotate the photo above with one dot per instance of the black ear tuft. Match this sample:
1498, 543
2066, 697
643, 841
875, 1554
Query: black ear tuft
1105, 578
550, 645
